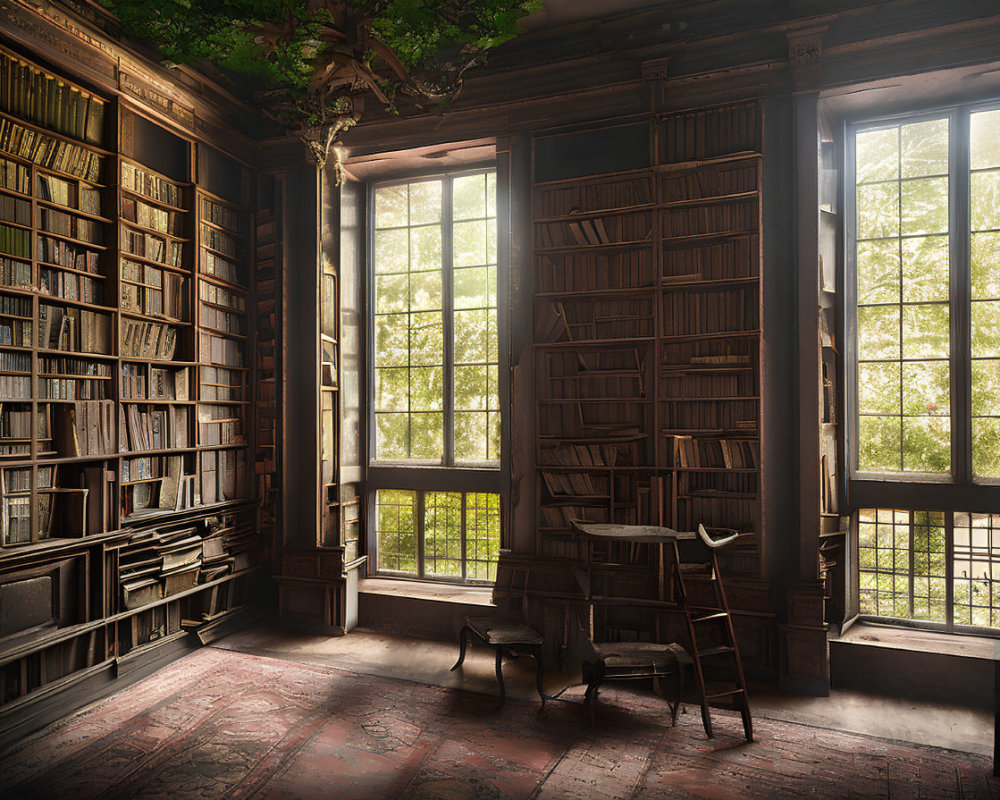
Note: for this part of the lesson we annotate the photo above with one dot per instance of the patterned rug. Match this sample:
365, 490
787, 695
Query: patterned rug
225, 724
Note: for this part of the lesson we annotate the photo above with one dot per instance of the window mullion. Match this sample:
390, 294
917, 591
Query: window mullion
448, 312
961, 299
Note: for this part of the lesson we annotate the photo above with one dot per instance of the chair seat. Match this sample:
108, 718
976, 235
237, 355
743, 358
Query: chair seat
641, 656
500, 632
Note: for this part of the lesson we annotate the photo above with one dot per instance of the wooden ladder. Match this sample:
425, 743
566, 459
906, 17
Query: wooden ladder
699, 619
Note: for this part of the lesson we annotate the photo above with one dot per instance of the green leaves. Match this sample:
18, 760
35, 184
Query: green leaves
311, 58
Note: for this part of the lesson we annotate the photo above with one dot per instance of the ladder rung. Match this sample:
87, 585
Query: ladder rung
727, 693
716, 651
709, 617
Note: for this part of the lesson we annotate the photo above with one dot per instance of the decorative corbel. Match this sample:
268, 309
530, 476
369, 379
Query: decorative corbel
805, 53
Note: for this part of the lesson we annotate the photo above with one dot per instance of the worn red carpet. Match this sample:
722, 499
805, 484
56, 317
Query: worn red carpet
225, 724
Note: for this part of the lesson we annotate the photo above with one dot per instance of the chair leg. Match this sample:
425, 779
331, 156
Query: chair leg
679, 684
536, 652
503, 690
590, 700
462, 642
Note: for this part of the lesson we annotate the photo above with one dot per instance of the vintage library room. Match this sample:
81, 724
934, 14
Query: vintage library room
499, 399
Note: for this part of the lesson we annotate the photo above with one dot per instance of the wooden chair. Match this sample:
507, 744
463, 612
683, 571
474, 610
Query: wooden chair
505, 631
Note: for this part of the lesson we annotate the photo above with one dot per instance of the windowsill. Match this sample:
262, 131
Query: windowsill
873, 634
428, 590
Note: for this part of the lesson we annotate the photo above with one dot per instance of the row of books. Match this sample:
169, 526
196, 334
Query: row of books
227, 430
58, 389
15, 387
15, 361
711, 132
595, 195
733, 257
723, 311
13, 209
15, 241
135, 179
76, 329
148, 340
16, 332
151, 291
737, 216
694, 453
709, 181
73, 195
15, 423
69, 285
221, 384
48, 151
146, 245
68, 254
148, 216
218, 214
153, 428
218, 267
711, 416
596, 231
63, 224
220, 296
223, 475
593, 455
218, 319
220, 241
142, 382
83, 367
33, 94
72, 389
15, 273
15, 177
12, 306
220, 350
84, 428
577, 484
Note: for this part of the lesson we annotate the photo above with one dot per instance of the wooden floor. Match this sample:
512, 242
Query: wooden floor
226, 723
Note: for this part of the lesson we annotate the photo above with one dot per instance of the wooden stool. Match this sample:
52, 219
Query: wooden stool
635, 661
505, 637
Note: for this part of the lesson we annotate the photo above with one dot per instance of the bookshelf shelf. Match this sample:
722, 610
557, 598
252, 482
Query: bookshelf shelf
692, 243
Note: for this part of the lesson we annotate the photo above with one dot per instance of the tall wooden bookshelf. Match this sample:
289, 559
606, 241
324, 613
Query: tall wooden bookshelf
126, 514
647, 311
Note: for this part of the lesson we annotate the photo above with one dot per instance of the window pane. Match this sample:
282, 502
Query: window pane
392, 251
984, 193
470, 243
927, 388
470, 197
472, 335
926, 444
924, 148
443, 534
925, 331
425, 248
986, 387
878, 210
985, 266
985, 328
426, 338
470, 388
392, 389
425, 202
927, 268
390, 206
426, 388
392, 436
985, 139
482, 535
879, 440
391, 293
879, 388
391, 340
986, 447
877, 155
396, 514
924, 206
878, 332
878, 271
471, 437
471, 288
425, 291
427, 436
